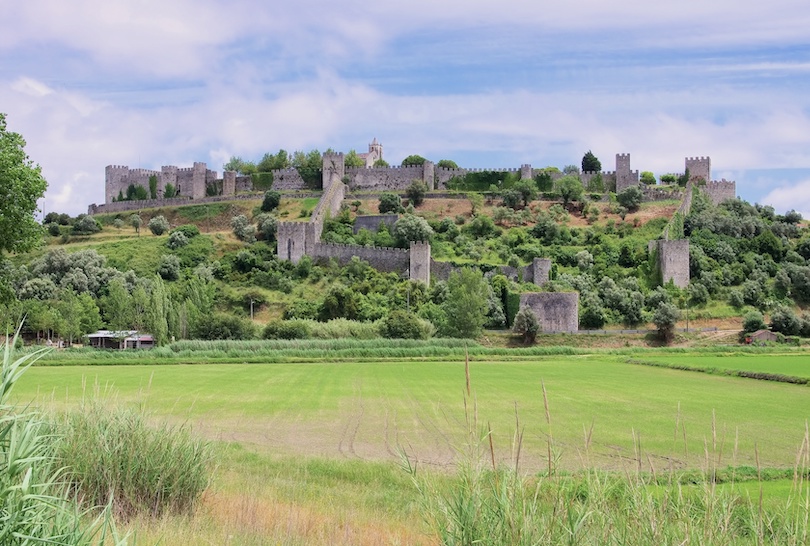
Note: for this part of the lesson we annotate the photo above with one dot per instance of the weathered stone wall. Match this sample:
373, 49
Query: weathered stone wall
699, 167
244, 184
443, 176
673, 259
123, 206
229, 183
287, 179
386, 178
419, 266
395, 260
555, 311
292, 239
608, 179
540, 271
651, 193
372, 222
720, 190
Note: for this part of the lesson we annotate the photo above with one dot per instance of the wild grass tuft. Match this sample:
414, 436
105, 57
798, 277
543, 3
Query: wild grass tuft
35, 507
114, 457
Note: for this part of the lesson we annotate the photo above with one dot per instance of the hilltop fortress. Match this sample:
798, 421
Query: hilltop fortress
200, 183
557, 312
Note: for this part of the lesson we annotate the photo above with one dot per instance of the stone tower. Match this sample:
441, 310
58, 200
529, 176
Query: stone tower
334, 168
699, 167
624, 176
375, 152
420, 261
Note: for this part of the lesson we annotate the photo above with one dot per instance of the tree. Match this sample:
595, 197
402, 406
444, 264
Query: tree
353, 160
665, 318
267, 226
403, 325
447, 164
466, 305
169, 191
753, 321
169, 268
416, 192
86, 225
570, 188
390, 202
647, 178
136, 222
239, 165
411, 228
272, 162
271, 201
785, 321
590, 163
526, 325
243, 229
21, 185
630, 198
413, 160
527, 190
153, 186
158, 225
381, 163
511, 199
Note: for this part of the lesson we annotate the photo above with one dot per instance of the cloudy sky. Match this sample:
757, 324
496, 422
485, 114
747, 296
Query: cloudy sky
489, 84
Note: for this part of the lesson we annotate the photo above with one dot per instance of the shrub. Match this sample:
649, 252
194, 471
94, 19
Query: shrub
169, 268
267, 225
404, 325
665, 317
86, 225
753, 321
189, 230
243, 229
416, 192
526, 325
785, 321
630, 198
224, 326
286, 329
177, 240
411, 228
390, 202
114, 457
158, 225
271, 201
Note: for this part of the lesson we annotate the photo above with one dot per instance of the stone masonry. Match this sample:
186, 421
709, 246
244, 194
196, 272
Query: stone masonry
555, 311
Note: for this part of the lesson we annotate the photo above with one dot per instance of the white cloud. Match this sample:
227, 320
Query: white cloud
31, 87
790, 197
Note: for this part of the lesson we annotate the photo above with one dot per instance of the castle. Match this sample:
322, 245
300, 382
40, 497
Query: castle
557, 312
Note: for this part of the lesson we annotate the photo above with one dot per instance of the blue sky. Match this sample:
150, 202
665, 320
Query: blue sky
490, 85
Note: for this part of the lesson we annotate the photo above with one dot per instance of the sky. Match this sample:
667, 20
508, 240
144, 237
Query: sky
147, 83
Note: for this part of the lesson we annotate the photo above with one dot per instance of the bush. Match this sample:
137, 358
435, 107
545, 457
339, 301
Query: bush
416, 192
243, 229
267, 225
286, 329
158, 225
271, 200
390, 202
630, 198
169, 268
665, 317
86, 225
54, 229
526, 325
177, 239
189, 230
785, 321
404, 325
224, 326
753, 321
411, 228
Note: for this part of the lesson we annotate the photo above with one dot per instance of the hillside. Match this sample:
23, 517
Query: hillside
743, 260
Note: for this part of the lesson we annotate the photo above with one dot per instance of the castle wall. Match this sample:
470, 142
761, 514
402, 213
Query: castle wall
540, 271
608, 179
287, 179
555, 311
396, 260
244, 184
625, 177
372, 222
720, 190
651, 193
673, 260
229, 183
386, 178
117, 179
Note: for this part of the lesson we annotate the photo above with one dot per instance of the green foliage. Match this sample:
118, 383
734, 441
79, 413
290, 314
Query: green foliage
351, 159
158, 225
86, 225
570, 189
466, 305
483, 181
411, 228
267, 225
310, 166
527, 325
665, 317
647, 178
413, 160
590, 163
224, 326
189, 230
136, 193
785, 321
21, 185
243, 229
404, 325
153, 186
262, 180
416, 192
286, 329
544, 180
669, 178
169, 191
169, 268
753, 321
630, 198
240, 166
527, 190
390, 202
177, 239
381, 163
271, 162
447, 164
113, 457
271, 200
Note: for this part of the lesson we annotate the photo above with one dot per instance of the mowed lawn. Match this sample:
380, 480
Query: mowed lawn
369, 411
796, 365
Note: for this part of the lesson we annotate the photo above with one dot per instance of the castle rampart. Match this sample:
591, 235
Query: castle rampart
720, 190
700, 168
557, 312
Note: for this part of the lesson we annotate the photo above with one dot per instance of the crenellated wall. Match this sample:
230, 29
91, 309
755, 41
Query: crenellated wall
720, 190
372, 222
396, 260
700, 168
387, 178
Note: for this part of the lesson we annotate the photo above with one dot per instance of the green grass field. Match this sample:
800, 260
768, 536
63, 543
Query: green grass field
367, 410
309, 453
795, 365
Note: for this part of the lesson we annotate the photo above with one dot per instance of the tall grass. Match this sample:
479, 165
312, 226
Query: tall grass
498, 505
113, 457
35, 507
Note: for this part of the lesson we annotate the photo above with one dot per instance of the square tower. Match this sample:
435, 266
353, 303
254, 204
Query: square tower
699, 168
